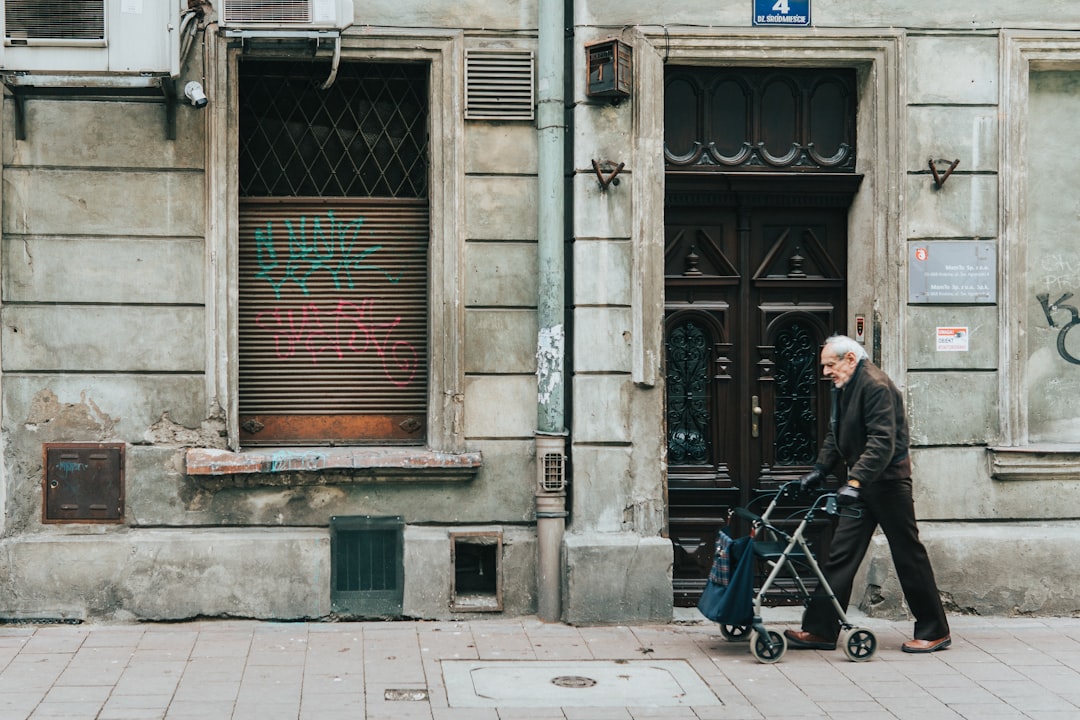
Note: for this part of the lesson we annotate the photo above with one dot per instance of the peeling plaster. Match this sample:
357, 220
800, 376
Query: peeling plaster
83, 420
549, 362
211, 433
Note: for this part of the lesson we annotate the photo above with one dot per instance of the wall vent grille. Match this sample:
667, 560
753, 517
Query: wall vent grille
367, 566
499, 85
267, 11
58, 21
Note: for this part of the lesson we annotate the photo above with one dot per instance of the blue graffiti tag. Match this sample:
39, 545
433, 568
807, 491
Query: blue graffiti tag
327, 245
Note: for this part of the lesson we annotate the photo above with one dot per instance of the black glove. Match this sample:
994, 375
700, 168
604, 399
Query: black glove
811, 481
847, 495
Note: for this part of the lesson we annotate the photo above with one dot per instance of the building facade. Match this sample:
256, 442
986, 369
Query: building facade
426, 310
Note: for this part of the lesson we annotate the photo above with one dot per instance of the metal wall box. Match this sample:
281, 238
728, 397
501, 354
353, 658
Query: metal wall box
610, 65
367, 567
83, 483
476, 558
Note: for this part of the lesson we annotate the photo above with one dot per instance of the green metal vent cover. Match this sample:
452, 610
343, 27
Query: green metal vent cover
367, 567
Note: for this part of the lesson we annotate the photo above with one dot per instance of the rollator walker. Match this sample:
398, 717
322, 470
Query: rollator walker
782, 552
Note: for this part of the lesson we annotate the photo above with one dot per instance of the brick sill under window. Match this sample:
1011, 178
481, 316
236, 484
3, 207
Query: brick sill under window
328, 466
1035, 462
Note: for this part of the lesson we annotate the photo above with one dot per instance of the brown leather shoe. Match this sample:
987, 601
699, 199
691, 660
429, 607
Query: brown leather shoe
926, 646
802, 640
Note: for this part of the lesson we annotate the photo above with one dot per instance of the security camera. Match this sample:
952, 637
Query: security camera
193, 91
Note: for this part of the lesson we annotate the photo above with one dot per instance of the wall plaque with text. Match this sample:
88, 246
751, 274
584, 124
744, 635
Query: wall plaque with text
952, 271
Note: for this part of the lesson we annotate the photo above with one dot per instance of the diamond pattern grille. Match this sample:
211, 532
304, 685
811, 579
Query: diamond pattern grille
367, 136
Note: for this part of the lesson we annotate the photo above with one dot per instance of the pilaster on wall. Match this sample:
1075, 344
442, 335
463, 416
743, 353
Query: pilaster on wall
1021, 51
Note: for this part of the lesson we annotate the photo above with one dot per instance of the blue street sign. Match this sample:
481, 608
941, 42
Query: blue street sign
792, 13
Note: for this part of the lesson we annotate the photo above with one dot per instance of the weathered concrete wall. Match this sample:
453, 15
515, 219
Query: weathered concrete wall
106, 336
923, 14
167, 574
1052, 355
103, 326
429, 573
616, 578
104, 277
1019, 568
947, 81
955, 483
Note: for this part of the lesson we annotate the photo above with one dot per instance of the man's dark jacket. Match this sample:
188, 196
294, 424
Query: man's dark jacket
867, 428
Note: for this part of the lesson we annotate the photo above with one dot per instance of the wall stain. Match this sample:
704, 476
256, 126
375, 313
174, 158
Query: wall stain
84, 420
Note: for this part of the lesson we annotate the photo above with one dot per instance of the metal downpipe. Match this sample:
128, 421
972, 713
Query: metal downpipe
551, 339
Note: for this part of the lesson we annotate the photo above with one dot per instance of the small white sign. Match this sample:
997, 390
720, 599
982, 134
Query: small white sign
952, 339
133, 7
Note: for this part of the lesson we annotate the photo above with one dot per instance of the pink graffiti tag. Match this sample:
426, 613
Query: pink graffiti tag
348, 328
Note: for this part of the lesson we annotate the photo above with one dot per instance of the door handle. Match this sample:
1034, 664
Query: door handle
755, 416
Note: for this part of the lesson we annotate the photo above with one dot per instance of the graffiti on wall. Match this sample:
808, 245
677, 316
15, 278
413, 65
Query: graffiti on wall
351, 325
348, 328
315, 245
1049, 309
68, 468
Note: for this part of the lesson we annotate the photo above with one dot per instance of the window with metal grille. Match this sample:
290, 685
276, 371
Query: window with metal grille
333, 246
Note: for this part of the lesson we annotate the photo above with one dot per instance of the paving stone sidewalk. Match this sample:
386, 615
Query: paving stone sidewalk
524, 669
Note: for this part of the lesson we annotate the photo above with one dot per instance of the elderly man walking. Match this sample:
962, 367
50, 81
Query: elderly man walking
868, 433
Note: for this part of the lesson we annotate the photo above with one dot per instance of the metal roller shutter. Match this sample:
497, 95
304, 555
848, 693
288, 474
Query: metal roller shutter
333, 320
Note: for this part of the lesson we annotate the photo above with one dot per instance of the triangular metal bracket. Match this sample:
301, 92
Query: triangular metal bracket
606, 174
939, 177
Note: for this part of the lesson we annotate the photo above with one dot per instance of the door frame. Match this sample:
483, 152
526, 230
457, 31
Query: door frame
876, 244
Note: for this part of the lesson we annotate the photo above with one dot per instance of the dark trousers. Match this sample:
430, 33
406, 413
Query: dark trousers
887, 503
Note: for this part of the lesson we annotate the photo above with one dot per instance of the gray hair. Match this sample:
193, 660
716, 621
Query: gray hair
841, 345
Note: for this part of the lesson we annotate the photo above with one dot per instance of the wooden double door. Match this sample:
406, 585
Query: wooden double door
755, 280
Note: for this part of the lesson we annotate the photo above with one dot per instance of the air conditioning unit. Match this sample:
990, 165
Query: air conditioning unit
130, 37
271, 15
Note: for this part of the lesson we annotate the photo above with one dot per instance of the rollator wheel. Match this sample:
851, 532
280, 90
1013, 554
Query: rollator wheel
767, 650
859, 644
734, 633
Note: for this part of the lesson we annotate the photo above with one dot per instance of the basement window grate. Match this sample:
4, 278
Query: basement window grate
367, 567
499, 84
477, 563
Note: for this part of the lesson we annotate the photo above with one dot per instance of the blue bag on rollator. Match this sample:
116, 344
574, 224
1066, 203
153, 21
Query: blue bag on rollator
728, 597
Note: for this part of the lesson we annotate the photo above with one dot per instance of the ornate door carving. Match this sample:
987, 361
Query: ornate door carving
755, 281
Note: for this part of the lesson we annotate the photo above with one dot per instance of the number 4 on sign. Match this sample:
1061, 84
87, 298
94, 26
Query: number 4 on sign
781, 6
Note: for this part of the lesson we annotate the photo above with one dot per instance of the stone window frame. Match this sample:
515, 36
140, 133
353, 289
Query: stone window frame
444, 456
876, 57
1014, 458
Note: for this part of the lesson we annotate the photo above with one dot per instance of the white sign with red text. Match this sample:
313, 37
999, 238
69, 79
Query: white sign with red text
952, 339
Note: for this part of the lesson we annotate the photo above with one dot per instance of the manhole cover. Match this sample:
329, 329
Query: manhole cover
573, 681
587, 683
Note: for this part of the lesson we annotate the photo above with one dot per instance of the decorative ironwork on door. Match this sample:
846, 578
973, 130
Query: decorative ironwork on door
688, 414
760, 119
796, 373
